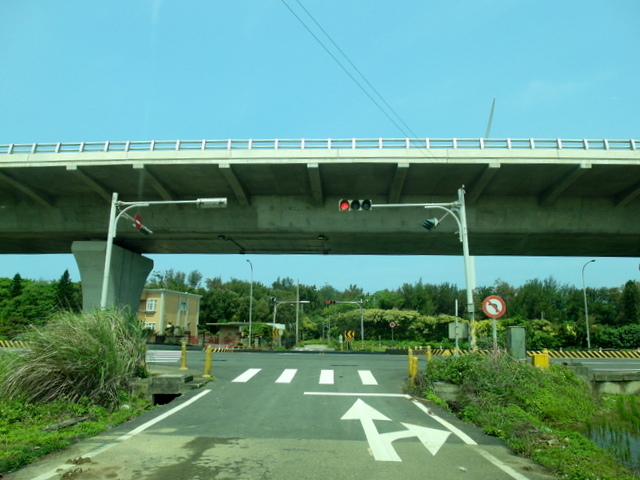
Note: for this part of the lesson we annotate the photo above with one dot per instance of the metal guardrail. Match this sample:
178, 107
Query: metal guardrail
315, 144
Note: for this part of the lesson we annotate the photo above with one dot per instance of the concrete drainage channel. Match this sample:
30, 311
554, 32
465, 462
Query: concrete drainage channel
162, 389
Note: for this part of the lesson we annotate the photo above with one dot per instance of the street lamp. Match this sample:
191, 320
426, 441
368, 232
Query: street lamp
250, 302
119, 209
458, 211
586, 309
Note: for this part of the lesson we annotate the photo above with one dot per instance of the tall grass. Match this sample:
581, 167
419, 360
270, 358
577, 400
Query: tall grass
76, 356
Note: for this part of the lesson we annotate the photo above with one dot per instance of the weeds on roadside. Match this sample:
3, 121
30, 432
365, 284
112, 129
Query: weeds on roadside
535, 411
94, 355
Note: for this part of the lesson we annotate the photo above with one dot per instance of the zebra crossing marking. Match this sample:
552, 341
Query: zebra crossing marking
326, 377
287, 375
367, 377
246, 376
161, 356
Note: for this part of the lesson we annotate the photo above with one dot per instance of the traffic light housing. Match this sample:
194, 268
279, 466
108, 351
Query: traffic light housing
330, 302
430, 223
355, 205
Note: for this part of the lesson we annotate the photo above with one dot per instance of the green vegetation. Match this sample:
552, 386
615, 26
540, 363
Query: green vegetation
31, 430
537, 412
552, 314
76, 378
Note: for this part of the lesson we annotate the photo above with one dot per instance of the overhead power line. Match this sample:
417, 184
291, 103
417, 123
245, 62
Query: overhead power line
399, 124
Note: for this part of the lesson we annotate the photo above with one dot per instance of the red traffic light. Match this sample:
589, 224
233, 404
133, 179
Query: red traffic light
354, 205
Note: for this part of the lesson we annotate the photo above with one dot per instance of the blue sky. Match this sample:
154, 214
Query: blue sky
165, 70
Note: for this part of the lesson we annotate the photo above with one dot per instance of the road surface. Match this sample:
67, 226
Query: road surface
286, 416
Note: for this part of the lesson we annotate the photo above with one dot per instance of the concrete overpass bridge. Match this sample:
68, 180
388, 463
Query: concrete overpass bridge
524, 196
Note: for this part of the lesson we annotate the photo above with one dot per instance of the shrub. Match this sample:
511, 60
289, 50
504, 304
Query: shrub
90, 355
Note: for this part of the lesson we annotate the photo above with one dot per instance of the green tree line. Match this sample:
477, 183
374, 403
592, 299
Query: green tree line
553, 314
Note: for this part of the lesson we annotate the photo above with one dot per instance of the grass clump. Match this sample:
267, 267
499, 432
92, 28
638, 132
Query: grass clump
536, 411
92, 355
75, 380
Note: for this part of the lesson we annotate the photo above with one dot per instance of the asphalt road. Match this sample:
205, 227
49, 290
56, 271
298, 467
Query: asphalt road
282, 416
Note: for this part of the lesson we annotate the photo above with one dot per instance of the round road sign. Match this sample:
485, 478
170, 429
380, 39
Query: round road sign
392, 324
493, 306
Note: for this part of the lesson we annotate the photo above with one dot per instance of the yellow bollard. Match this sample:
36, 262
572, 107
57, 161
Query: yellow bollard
413, 370
183, 357
409, 355
429, 354
208, 358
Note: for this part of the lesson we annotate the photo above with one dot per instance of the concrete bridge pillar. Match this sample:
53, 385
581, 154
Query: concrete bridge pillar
127, 277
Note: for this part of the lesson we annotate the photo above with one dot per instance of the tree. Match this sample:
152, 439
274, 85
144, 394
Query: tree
629, 306
16, 286
68, 295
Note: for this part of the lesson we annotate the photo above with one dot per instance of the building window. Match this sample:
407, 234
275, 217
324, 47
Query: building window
152, 304
183, 306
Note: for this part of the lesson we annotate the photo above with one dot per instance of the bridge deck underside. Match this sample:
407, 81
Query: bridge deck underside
520, 203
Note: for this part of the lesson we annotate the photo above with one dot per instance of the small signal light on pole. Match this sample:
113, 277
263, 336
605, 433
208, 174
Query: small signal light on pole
330, 302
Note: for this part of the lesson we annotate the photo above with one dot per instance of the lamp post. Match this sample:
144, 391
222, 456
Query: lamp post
458, 211
586, 309
119, 209
250, 302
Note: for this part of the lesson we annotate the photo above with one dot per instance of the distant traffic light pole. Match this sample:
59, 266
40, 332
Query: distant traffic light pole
458, 211
115, 215
276, 303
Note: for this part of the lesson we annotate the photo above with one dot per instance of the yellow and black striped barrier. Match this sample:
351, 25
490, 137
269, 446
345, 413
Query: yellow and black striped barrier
552, 353
13, 344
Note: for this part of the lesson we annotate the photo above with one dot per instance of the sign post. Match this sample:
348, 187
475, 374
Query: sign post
392, 326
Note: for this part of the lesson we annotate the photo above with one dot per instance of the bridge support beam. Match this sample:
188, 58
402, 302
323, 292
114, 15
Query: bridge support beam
129, 272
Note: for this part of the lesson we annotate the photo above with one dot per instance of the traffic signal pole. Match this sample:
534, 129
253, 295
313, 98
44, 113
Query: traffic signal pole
458, 211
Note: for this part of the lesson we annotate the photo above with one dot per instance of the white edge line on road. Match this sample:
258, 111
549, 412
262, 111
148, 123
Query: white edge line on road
341, 394
505, 468
456, 431
469, 441
124, 437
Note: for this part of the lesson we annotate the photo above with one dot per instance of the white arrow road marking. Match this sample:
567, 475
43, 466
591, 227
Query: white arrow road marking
380, 443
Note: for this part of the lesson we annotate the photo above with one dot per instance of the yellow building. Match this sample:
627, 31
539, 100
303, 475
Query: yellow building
170, 312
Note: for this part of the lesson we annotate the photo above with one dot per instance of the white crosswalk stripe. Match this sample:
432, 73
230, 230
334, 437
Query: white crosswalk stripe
327, 377
246, 376
367, 377
287, 375
163, 356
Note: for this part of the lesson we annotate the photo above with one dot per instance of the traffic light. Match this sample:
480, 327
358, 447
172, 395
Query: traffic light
330, 302
364, 204
430, 223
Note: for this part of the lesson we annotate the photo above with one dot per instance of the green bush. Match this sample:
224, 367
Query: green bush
94, 355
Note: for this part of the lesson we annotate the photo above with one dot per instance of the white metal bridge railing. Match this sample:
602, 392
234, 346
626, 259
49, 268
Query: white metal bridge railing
333, 144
